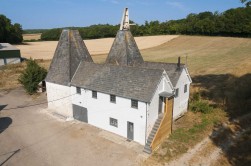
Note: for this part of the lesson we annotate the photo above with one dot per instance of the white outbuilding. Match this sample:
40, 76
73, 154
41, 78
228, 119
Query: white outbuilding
9, 54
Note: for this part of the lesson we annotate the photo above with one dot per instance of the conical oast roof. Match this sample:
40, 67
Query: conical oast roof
70, 51
124, 50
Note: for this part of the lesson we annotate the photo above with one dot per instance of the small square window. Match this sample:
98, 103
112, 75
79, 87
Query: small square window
134, 103
113, 98
177, 92
94, 94
185, 88
113, 122
78, 89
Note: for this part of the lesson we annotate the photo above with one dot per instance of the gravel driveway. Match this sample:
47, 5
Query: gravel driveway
32, 136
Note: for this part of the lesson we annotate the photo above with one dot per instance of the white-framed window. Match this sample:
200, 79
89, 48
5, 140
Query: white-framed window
78, 90
113, 98
134, 103
177, 92
94, 94
185, 88
113, 122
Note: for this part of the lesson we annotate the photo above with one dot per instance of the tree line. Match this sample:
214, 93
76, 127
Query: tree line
90, 32
233, 22
10, 33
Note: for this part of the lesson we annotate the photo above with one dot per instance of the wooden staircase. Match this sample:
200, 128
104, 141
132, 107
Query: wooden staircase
155, 128
162, 128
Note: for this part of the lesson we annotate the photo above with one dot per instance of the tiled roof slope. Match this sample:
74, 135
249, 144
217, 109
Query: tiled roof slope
171, 69
128, 82
70, 51
124, 50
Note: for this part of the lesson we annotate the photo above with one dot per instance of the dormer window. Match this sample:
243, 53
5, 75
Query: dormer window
94, 94
134, 103
185, 88
177, 92
112, 98
78, 90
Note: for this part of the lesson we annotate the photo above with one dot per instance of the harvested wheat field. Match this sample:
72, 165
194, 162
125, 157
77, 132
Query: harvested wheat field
206, 55
35, 36
45, 49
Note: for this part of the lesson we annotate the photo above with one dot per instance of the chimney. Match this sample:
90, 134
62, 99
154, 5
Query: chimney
178, 64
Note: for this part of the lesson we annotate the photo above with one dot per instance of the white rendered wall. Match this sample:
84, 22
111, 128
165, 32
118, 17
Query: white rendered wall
13, 60
59, 99
10, 61
100, 111
181, 102
1, 62
153, 110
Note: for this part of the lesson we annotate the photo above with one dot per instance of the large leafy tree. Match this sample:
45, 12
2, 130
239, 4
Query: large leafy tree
10, 33
247, 2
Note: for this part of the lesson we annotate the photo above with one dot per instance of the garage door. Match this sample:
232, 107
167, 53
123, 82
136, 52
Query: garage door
80, 113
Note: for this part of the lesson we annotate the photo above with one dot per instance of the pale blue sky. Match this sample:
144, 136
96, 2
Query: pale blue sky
34, 14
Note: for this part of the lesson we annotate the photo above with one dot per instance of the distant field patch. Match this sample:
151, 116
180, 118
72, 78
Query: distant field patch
36, 36
46, 49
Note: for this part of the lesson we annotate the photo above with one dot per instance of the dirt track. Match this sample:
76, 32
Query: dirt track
204, 153
46, 49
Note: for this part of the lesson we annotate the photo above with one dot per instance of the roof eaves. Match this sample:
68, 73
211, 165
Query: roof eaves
168, 79
156, 89
74, 85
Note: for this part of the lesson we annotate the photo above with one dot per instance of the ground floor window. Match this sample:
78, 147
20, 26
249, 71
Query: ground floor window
113, 122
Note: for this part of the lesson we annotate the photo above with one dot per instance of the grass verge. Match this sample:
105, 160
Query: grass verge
191, 129
9, 74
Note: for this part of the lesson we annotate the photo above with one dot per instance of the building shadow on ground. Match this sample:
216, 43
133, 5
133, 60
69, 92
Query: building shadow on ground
5, 122
232, 94
2, 107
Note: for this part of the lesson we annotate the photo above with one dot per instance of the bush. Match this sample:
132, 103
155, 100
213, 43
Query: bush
199, 105
32, 76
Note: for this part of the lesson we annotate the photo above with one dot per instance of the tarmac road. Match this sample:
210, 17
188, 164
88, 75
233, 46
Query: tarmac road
32, 136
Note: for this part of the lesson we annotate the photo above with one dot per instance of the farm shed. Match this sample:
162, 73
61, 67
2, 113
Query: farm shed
9, 54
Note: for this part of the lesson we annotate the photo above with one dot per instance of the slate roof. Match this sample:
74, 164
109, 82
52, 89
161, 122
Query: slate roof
70, 51
128, 82
171, 69
124, 74
124, 50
